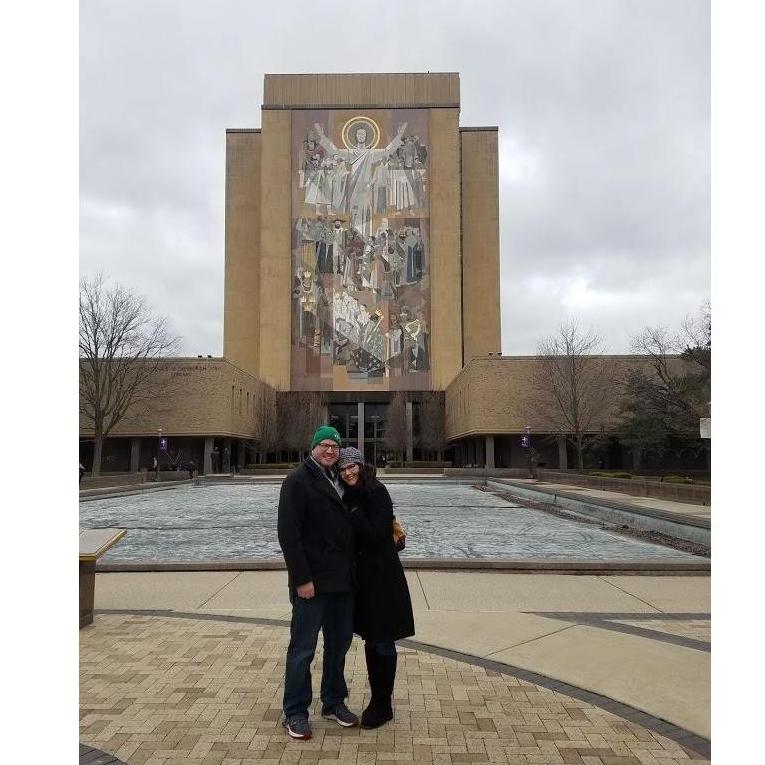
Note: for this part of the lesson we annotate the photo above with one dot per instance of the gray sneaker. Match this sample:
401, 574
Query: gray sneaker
298, 727
341, 715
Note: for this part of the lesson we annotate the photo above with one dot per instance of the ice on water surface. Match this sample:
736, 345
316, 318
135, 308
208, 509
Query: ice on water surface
227, 522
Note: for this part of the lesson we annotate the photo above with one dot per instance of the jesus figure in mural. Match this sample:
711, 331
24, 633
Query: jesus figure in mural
361, 160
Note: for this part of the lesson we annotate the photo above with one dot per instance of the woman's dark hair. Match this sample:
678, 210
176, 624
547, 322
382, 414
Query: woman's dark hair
367, 477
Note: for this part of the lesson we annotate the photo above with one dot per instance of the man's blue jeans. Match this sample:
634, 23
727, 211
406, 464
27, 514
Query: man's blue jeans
333, 614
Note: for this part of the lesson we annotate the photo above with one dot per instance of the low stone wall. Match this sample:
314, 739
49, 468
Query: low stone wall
129, 479
487, 472
112, 479
637, 487
278, 468
418, 464
410, 471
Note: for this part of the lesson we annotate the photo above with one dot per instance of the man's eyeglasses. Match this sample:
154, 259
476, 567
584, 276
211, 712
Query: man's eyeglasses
330, 447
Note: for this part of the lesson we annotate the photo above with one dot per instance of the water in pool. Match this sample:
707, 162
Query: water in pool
230, 522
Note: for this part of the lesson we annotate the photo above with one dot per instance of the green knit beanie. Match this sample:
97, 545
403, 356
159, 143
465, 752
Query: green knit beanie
325, 431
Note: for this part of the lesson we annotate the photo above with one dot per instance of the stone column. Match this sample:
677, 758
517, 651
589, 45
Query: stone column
562, 453
271, 254
135, 455
240, 454
87, 590
409, 433
489, 452
360, 434
207, 458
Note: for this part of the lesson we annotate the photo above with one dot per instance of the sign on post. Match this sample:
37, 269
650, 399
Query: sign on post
163, 444
524, 442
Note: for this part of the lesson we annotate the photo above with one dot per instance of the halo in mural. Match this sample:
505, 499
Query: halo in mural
353, 139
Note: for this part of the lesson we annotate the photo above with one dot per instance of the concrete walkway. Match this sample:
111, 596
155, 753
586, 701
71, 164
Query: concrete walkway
640, 641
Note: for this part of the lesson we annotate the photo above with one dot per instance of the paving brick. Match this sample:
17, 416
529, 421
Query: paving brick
206, 693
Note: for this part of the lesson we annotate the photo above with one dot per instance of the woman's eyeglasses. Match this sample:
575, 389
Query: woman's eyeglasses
346, 468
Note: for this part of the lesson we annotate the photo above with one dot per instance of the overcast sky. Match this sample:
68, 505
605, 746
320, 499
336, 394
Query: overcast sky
603, 110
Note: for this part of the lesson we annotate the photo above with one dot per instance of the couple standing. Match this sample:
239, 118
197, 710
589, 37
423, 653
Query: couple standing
335, 530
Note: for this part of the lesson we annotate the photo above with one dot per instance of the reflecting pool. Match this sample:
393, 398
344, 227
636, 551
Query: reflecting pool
229, 522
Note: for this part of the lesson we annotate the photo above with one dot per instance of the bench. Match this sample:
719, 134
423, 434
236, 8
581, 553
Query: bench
93, 544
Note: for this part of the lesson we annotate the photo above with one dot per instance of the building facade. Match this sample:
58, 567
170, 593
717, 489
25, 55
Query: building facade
210, 412
362, 241
361, 264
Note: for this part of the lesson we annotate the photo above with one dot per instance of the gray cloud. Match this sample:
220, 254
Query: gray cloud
603, 110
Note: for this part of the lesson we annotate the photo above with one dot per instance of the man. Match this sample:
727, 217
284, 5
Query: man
316, 538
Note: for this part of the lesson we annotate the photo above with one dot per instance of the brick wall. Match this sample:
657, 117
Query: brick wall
207, 397
498, 395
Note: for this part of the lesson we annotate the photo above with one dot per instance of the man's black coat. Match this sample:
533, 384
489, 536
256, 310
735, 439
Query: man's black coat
315, 532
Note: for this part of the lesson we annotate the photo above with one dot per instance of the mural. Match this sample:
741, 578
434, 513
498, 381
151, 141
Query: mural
361, 265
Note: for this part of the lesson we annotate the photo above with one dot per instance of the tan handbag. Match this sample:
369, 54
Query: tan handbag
399, 535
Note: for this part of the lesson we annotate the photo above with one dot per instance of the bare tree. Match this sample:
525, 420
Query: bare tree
574, 384
122, 344
432, 436
396, 425
300, 413
267, 419
664, 406
683, 389
696, 339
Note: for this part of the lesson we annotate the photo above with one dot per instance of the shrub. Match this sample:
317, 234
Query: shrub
677, 479
610, 474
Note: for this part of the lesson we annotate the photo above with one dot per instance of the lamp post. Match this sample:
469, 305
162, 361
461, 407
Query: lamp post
156, 458
526, 444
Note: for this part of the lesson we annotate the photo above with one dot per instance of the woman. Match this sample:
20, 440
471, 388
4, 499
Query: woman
383, 611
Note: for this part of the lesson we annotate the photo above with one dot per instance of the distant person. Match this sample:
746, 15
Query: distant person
316, 538
383, 612
192, 468
82, 471
155, 468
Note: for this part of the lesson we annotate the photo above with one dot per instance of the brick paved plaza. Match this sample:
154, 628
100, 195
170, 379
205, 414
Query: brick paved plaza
204, 691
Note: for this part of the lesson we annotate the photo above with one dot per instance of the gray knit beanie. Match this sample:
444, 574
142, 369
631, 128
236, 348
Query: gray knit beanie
350, 456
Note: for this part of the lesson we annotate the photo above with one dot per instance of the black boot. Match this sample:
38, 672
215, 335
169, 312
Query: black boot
382, 676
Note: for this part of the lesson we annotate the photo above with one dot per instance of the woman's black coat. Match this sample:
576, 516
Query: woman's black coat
383, 606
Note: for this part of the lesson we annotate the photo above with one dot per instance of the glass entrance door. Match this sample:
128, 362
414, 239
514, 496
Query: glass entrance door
345, 418
374, 433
